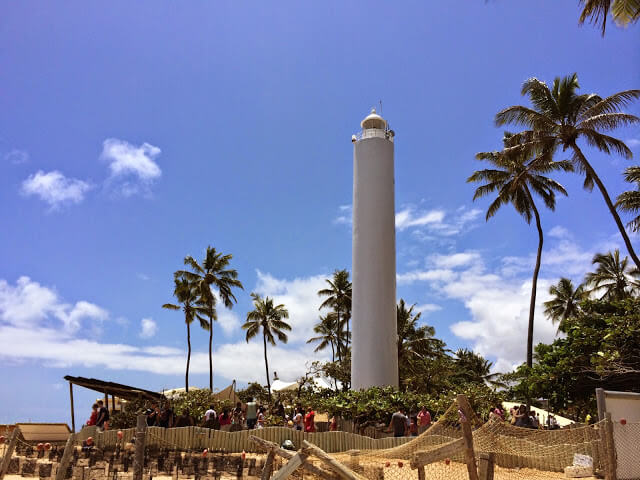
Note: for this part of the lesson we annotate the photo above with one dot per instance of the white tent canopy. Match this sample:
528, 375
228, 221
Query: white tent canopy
318, 383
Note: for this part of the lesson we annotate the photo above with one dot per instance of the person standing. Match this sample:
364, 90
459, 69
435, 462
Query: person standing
309, 421
94, 415
297, 418
398, 423
424, 419
103, 416
252, 414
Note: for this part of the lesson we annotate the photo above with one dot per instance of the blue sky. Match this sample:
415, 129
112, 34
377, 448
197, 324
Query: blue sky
133, 134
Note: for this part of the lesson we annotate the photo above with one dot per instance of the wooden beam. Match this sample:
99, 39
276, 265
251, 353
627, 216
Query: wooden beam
602, 405
268, 466
469, 454
66, 458
291, 466
73, 416
486, 466
141, 433
4, 466
342, 471
309, 467
610, 472
422, 458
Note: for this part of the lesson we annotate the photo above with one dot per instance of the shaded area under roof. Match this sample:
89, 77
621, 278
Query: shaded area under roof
117, 389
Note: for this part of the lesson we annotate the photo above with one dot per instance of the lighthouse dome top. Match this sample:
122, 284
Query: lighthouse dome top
373, 120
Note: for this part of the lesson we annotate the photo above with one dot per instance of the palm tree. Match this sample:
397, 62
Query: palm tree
560, 117
630, 201
339, 299
612, 275
187, 295
565, 302
474, 368
269, 318
514, 179
624, 12
415, 342
214, 271
327, 335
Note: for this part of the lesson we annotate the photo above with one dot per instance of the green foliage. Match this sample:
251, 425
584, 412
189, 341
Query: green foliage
376, 404
128, 417
600, 350
196, 402
253, 390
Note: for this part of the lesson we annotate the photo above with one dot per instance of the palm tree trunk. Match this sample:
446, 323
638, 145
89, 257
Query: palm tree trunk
186, 377
266, 364
210, 353
339, 336
534, 284
607, 199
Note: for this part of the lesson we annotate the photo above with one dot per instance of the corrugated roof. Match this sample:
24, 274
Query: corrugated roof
44, 432
123, 391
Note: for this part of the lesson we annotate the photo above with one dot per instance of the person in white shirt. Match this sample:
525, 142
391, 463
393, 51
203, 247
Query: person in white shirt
210, 414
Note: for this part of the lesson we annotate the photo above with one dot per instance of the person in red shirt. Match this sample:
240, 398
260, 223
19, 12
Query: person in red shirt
333, 424
309, 423
94, 415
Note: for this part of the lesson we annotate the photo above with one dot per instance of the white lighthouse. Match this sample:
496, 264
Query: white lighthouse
374, 351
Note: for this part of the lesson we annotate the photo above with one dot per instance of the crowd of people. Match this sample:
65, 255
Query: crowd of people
252, 415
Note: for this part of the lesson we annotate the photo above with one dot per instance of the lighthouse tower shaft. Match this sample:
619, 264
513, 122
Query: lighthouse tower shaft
374, 354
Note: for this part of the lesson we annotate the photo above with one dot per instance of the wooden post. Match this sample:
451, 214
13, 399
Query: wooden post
611, 463
138, 461
339, 468
73, 416
8, 452
291, 466
469, 454
602, 406
421, 473
273, 447
486, 466
61, 472
113, 403
268, 466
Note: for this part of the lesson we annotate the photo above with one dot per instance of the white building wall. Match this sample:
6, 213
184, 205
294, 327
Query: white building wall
374, 354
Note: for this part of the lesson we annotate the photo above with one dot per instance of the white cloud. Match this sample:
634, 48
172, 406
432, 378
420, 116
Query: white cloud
55, 189
425, 276
345, 215
29, 304
498, 301
148, 328
435, 221
300, 297
633, 142
34, 324
559, 232
16, 157
427, 308
410, 218
228, 321
133, 168
454, 260
144, 277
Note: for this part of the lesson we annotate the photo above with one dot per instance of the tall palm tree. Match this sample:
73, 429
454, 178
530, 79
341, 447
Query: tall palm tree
339, 299
630, 201
515, 181
213, 272
415, 342
187, 295
270, 319
565, 302
612, 275
624, 12
327, 335
559, 117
